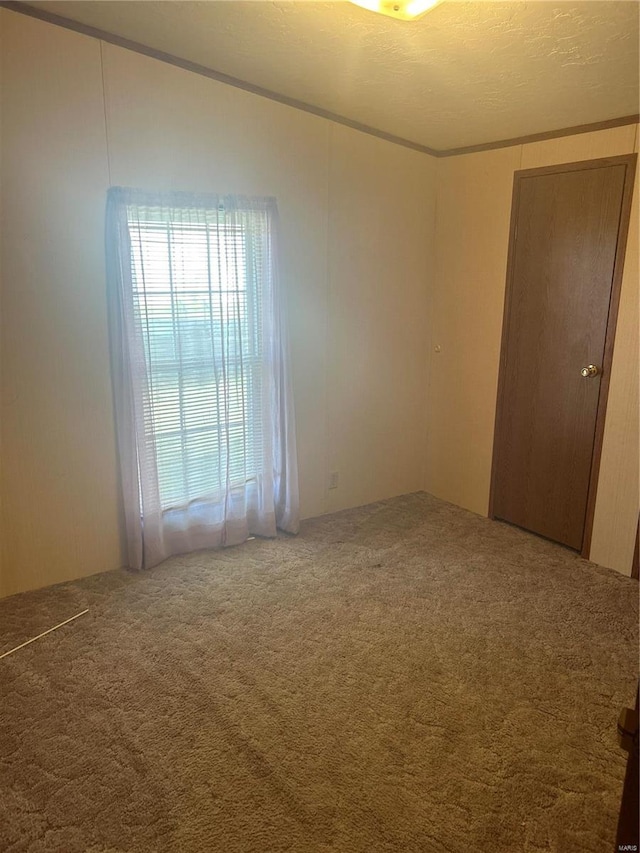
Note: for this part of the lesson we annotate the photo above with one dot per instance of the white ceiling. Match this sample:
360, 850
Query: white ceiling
464, 74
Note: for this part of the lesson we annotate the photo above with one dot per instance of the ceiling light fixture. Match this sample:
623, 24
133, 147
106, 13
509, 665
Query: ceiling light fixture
403, 10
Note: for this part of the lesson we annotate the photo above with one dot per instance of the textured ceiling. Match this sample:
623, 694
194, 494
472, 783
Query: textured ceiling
464, 74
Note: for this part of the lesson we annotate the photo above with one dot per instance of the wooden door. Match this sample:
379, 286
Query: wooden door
568, 234
628, 833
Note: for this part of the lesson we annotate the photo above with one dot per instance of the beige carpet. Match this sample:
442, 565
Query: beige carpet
402, 677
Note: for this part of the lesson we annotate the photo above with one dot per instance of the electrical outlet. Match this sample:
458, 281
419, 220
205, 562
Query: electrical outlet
333, 480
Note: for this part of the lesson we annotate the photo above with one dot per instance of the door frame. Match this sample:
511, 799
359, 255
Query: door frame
629, 161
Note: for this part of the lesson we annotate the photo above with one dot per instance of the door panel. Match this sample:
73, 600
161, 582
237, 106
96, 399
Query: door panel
556, 317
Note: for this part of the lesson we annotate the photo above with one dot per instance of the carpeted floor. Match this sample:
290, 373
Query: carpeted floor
402, 677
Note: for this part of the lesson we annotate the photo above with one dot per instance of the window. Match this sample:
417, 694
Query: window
198, 302
204, 410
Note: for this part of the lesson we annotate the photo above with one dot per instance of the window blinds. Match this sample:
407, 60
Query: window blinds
197, 299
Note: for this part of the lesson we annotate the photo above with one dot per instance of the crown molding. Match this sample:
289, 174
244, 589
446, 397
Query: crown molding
540, 137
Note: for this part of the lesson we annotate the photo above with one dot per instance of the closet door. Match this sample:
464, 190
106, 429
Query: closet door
567, 232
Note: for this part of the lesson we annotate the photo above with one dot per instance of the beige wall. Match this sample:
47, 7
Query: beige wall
358, 351
466, 304
466, 301
376, 300
59, 477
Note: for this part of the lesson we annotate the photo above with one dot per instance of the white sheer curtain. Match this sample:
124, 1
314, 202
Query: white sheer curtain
203, 402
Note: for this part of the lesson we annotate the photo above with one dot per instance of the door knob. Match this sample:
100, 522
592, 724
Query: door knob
590, 370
